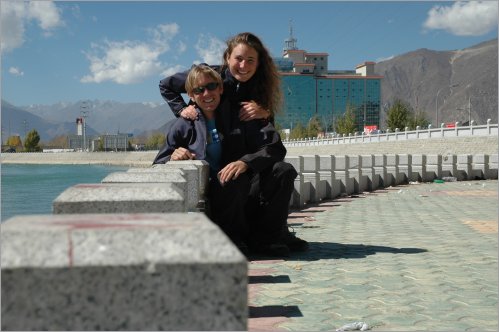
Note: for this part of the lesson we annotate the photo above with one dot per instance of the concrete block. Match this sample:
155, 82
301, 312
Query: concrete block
329, 187
393, 177
120, 198
379, 169
121, 272
201, 165
463, 167
367, 168
311, 176
355, 172
342, 174
301, 192
433, 167
177, 176
479, 166
449, 166
404, 168
492, 171
418, 167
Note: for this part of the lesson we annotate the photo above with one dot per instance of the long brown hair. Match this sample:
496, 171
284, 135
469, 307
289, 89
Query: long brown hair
267, 92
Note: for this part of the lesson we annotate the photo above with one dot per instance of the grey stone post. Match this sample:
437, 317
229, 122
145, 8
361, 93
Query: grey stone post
117, 272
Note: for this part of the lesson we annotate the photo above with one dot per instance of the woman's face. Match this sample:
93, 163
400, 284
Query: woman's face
206, 94
243, 62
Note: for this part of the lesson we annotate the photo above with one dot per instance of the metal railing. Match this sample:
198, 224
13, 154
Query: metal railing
398, 135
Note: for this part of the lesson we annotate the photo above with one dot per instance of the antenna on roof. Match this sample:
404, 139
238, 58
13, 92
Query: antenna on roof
290, 43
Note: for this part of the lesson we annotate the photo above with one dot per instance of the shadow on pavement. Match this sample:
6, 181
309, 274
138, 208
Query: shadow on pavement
329, 250
275, 311
280, 279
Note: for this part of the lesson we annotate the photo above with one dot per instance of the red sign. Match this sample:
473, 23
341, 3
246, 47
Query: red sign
450, 125
369, 129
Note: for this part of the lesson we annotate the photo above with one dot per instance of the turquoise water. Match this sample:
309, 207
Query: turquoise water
30, 189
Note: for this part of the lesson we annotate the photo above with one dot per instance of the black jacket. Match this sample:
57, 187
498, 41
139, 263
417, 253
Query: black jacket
256, 143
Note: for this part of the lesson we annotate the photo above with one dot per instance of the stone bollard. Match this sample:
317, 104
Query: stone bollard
463, 167
120, 198
433, 167
329, 187
355, 172
300, 195
342, 174
492, 171
189, 186
311, 177
418, 166
201, 165
380, 172
479, 166
367, 169
449, 166
121, 272
404, 168
393, 178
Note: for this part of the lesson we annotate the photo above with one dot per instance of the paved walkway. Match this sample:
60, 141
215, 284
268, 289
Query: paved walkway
406, 258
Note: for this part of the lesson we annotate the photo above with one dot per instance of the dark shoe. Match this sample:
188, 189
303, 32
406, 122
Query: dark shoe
270, 249
293, 242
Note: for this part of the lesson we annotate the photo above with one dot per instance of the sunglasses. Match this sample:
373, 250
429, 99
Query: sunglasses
200, 89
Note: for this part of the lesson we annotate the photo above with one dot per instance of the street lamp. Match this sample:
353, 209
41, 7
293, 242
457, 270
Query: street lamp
84, 115
436, 102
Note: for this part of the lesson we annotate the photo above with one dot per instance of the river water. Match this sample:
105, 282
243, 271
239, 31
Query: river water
30, 189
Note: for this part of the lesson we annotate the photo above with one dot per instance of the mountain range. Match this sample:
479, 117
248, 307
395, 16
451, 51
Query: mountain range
438, 83
459, 79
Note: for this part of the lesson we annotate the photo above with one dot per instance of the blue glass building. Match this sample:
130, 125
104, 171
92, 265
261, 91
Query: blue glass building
311, 90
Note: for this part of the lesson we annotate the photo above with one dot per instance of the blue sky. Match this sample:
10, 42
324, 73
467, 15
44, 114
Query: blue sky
119, 50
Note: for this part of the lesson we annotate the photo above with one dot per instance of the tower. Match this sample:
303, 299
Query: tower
290, 43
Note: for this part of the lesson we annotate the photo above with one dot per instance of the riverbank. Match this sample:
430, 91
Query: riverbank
456, 145
130, 159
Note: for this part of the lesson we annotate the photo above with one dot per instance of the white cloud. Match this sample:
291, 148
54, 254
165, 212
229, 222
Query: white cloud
210, 49
16, 71
129, 62
15, 15
172, 70
470, 18
385, 58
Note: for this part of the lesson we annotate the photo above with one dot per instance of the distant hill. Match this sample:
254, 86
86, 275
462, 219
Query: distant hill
108, 117
417, 77
16, 121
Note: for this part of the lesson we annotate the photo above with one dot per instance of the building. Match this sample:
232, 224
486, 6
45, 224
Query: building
310, 89
106, 142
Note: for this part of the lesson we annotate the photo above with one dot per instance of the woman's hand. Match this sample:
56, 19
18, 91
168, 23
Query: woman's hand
182, 154
189, 112
251, 110
232, 171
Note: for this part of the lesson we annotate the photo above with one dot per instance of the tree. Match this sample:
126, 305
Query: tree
345, 124
155, 142
398, 115
418, 119
60, 141
313, 127
14, 141
31, 142
298, 132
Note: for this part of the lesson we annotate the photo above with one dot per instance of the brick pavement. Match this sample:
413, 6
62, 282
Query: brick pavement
405, 258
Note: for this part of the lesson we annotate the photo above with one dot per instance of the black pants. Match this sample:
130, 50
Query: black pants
254, 207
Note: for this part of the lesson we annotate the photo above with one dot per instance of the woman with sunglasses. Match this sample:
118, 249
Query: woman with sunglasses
250, 79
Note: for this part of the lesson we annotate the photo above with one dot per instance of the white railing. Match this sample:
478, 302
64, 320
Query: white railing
429, 133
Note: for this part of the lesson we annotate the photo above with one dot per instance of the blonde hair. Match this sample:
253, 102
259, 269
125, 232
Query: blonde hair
197, 71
